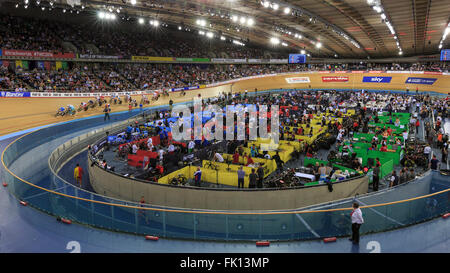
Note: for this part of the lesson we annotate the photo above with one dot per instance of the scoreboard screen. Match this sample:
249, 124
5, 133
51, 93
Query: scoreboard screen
445, 55
297, 58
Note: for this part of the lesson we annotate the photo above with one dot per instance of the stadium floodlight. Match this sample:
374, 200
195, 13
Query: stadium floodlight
250, 22
318, 44
302, 51
222, 38
274, 41
400, 53
26, 2
234, 18
100, 14
141, 21
266, 4
201, 22
25, 6
179, 28
275, 6
209, 34
287, 10
156, 23
64, 11
383, 16
440, 46
242, 20
370, 2
133, 2
377, 8
201, 32
284, 44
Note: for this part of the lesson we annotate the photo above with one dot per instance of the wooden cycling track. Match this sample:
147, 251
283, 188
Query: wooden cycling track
18, 114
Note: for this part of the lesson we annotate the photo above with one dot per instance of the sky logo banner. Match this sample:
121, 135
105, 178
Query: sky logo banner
413, 80
377, 79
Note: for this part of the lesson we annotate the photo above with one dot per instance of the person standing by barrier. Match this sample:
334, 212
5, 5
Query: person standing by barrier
260, 176
78, 175
357, 221
376, 177
241, 176
252, 179
434, 163
197, 177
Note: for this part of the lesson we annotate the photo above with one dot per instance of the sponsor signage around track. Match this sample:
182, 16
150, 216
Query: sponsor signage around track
414, 80
278, 61
90, 56
298, 80
377, 79
6, 94
203, 60
432, 72
149, 58
37, 54
335, 79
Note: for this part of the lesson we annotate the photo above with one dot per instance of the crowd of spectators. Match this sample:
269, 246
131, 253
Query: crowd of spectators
99, 77
127, 40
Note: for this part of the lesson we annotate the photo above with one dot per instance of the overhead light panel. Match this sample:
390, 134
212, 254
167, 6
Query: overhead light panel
274, 41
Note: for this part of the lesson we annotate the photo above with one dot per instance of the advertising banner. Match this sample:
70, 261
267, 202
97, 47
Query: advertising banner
252, 61
37, 54
432, 72
5, 94
335, 79
358, 71
202, 60
89, 56
377, 79
297, 80
278, 61
413, 80
216, 60
0, 52
148, 58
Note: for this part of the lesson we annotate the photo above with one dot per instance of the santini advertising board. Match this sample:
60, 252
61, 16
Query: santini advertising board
297, 80
377, 79
413, 80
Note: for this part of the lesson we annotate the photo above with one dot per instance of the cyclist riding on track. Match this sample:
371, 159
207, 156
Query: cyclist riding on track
71, 109
61, 111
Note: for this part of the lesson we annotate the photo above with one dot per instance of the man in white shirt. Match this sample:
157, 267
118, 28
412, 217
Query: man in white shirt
427, 151
357, 221
191, 146
171, 148
161, 154
135, 148
218, 157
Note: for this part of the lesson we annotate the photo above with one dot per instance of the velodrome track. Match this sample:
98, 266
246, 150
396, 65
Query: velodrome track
24, 113
27, 230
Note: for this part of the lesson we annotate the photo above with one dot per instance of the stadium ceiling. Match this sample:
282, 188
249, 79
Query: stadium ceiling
344, 28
